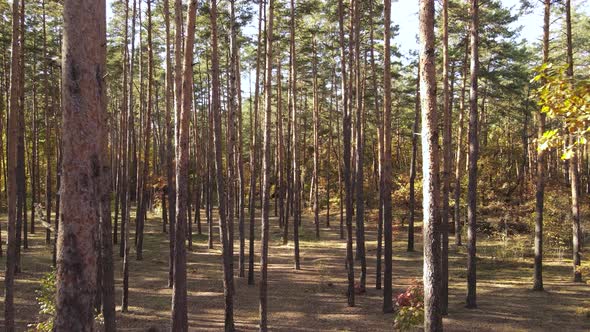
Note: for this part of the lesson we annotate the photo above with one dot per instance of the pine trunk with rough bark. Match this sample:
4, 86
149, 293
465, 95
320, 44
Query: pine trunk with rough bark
573, 167
473, 156
460, 161
12, 129
430, 169
179, 290
127, 166
169, 145
387, 170
266, 174
228, 281
346, 154
360, 143
413, 162
254, 151
295, 147
84, 108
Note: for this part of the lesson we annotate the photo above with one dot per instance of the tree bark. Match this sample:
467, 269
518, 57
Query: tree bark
387, 164
460, 162
346, 134
179, 291
254, 152
447, 161
48, 147
12, 129
170, 152
573, 167
228, 281
316, 143
413, 163
266, 171
84, 106
296, 171
359, 150
127, 167
430, 168
473, 156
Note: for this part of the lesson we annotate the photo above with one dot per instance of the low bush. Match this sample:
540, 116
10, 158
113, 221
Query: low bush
410, 307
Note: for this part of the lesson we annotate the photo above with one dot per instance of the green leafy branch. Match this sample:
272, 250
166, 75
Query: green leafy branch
566, 100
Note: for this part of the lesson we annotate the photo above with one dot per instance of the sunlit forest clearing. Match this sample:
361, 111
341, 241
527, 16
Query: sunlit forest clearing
295, 165
311, 299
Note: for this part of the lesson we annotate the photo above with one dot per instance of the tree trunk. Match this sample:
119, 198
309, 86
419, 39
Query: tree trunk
143, 187
21, 213
460, 161
541, 169
235, 117
266, 171
106, 246
12, 129
84, 105
316, 143
380, 144
413, 163
127, 166
170, 152
48, 147
359, 151
430, 155
386, 170
473, 156
447, 161
179, 292
296, 171
573, 167
254, 152
228, 281
346, 129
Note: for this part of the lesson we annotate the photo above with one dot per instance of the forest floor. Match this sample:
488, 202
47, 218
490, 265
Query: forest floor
313, 298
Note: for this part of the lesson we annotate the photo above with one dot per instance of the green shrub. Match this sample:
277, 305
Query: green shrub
47, 304
46, 300
410, 307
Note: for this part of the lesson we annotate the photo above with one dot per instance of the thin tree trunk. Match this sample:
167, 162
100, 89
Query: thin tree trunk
386, 171
48, 148
254, 152
228, 281
179, 292
460, 161
413, 163
170, 152
380, 141
316, 143
296, 169
346, 133
446, 173
359, 151
21, 217
127, 165
473, 156
541, 169
106, 245
430, 156
573, 167
12, 130
266, 171
143, 191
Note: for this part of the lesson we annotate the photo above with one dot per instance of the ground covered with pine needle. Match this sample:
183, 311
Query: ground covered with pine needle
313, 298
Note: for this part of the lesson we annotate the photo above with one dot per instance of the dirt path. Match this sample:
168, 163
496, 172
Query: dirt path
313, 299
